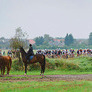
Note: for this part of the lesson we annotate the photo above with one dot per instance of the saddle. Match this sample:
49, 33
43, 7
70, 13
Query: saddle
31, 57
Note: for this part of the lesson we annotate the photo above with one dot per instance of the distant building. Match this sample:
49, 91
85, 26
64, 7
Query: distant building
31, 41
57, 42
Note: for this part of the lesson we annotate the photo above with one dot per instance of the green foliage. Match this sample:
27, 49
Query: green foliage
85, 63
4, 43
66, 40
43, 42
19, 39
90, 39
69, 39
39, 40
16, 65
47, 38
35, 66
79, 63
61, 64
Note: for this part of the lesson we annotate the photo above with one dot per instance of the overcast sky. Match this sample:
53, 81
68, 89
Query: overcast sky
53, 17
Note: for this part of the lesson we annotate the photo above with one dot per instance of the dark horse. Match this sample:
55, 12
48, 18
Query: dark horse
5, 61
37, 58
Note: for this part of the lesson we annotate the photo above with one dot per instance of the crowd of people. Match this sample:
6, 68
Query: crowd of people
2, 52
64, 53
10, 53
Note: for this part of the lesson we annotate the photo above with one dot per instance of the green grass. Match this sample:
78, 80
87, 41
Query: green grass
43, 86
84, 63
49, 72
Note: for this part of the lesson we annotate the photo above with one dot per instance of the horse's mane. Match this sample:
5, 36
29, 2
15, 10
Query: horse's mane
22, 50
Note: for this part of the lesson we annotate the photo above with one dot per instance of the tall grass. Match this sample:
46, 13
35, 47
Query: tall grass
78, 63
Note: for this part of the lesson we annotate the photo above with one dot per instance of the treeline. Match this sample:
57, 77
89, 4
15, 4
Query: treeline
4, 43
45, 42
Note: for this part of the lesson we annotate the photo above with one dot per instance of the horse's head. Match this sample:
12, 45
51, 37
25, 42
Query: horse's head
22, 50
23, 53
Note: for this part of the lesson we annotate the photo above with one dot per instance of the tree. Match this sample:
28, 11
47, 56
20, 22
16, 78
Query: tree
4, 43
66, 40
47, 39
90, 39
69, 39
20, 39
39, 40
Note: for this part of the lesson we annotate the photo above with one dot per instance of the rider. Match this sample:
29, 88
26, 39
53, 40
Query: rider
30, 52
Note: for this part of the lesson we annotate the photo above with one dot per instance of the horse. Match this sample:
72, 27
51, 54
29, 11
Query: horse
36, 58
5, 61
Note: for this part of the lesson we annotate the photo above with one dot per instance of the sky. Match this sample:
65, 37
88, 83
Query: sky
39, 17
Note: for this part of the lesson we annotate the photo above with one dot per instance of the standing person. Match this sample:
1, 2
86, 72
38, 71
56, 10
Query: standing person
30, 53
4, 53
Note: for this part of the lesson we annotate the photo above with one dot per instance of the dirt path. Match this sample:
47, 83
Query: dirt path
13, 78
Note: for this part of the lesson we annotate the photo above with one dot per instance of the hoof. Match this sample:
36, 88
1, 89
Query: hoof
42, 75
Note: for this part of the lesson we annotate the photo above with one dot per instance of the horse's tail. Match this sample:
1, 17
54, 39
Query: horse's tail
44, 62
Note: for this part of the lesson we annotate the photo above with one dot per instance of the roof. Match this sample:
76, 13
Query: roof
58, 40
31, 41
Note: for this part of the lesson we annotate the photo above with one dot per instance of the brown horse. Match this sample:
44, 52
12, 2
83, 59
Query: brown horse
5, 61
37, 58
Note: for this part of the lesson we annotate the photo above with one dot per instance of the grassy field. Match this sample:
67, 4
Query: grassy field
26, 84
75, 66
50, 72
38, 86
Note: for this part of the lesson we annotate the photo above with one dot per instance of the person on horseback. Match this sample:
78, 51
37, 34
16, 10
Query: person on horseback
30, 53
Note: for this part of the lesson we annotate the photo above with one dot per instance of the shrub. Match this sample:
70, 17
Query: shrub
16, 65
81, 64
61, 64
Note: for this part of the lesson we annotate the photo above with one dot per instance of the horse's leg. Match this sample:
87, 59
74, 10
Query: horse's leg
43, 66
3, 70
41, 70
7, 70
25, 69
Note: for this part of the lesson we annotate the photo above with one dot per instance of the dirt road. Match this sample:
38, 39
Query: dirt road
12, 78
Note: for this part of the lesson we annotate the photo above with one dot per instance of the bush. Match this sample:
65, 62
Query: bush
16, 65
81, 64
61, 64
35, 66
